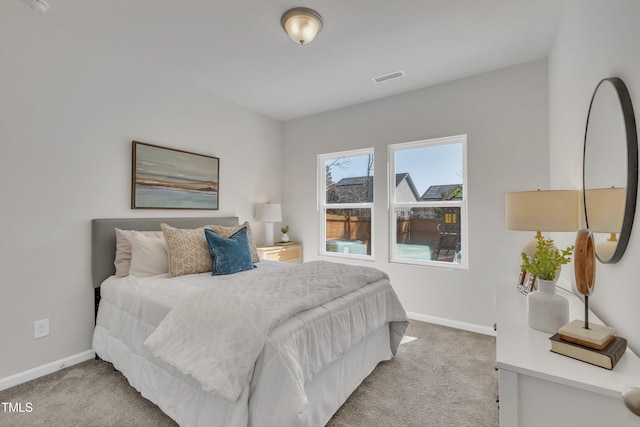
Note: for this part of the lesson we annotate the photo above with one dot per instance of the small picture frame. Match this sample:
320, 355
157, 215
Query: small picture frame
526, 282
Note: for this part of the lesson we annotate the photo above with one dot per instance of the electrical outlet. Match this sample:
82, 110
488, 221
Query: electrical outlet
40, 328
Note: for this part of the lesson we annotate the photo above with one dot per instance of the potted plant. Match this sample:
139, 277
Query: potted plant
285, 237
547, 260
548, 311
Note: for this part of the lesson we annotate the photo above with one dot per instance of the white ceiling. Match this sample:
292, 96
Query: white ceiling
237, 49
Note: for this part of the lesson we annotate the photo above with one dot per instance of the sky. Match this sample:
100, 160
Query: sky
431, 165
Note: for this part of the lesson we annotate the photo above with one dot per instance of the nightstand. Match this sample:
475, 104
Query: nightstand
286, 253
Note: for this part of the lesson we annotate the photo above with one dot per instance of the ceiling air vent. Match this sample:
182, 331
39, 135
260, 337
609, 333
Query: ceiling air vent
387, 77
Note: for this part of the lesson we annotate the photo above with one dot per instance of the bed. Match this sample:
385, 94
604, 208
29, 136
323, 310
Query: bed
307, 365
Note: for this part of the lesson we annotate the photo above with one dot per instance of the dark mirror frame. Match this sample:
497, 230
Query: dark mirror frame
632, 165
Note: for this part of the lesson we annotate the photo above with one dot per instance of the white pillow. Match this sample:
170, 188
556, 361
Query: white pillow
123, 248
149, 256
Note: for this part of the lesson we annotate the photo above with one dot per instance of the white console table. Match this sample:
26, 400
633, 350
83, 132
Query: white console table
541, 388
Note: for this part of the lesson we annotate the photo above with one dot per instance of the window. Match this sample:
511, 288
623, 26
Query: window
345, 188
428, 202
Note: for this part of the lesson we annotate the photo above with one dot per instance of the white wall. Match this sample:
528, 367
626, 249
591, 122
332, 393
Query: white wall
68, 114
505, 115
597, 39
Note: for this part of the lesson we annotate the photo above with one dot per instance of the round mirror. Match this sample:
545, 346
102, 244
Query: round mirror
610, 169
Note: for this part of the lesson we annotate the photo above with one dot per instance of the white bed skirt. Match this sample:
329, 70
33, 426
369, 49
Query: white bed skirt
184, 400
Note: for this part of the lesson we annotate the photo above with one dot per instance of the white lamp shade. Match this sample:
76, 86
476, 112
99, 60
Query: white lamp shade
269, 212
605, 209
551, 210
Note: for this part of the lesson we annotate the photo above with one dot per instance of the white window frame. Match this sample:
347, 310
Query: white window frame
462, 204
322, 204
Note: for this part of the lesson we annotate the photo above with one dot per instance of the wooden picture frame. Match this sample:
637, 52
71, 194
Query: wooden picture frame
526, 282
167, 178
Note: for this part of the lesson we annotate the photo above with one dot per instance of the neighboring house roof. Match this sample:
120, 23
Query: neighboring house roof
405, 176
355, 180
443, 192
355, 189
359, 189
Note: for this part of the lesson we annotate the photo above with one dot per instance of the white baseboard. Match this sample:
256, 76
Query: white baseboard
31, 374
485, 330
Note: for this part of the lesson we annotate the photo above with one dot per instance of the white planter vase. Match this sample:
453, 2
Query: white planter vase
284, 238
548, 311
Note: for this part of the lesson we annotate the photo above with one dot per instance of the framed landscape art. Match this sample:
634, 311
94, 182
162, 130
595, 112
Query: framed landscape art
166, 178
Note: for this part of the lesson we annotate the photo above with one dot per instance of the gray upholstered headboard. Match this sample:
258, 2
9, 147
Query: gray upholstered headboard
103, 237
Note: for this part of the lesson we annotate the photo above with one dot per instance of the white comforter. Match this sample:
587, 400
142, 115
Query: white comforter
217, 336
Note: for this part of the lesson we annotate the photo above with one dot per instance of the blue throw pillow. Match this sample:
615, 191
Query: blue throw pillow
229, 255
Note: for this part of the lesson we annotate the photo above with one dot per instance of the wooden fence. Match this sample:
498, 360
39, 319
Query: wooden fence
349, 228
418, 231
409, 230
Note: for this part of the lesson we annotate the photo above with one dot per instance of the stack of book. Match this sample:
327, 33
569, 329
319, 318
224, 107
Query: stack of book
597, 345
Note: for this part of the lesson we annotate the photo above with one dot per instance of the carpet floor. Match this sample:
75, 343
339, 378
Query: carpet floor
444, 377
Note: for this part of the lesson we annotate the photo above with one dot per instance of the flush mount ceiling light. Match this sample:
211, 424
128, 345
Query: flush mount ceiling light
37, 5
302, 24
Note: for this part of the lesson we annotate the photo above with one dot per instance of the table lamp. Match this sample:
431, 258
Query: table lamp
549, 210
605, 213
268, 213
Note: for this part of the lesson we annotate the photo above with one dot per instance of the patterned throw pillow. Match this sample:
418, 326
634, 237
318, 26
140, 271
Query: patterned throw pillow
188, 251
230, 255
228, 231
